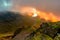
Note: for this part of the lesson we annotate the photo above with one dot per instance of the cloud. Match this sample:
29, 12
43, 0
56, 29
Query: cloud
46, 5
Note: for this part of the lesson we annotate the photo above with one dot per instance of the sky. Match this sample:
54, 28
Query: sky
44, 5
5, 4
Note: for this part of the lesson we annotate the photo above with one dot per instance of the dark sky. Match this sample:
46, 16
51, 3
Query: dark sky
46, 5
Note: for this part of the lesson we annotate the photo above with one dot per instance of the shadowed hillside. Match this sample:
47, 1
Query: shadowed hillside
13, 23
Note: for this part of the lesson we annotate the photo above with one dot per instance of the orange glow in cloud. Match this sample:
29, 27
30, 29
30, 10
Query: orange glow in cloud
34, 13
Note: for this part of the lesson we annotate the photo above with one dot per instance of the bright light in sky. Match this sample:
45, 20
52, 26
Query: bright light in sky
34, 15
7, 4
